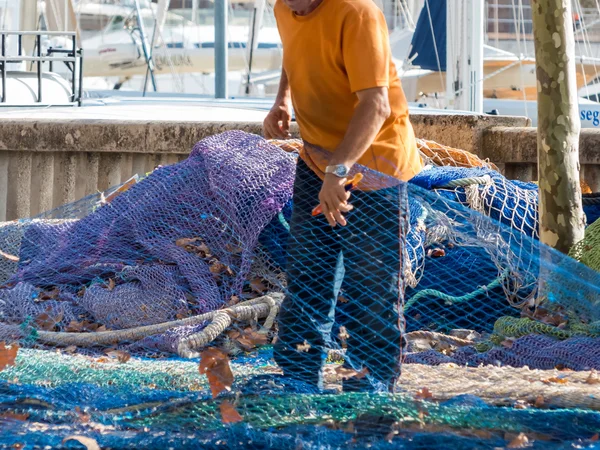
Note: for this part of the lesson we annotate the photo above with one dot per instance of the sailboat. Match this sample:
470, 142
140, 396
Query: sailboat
509, 81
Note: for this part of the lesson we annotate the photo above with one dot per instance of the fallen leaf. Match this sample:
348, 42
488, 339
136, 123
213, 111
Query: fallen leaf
14, 416
103, 360
71, 349
234, 300
303, 347
436, 252
521, 441
234, 249
508, 342
47, 321
555, 380
593, 378
49, 295
89, 443
250, 339
229, 413
595, 437
111, 284
217, 267
9, 256
539, 401
119, 355
257, 286
345, 373
81, 415
423, 394
343, 335
184, 242
342, 299
215, 364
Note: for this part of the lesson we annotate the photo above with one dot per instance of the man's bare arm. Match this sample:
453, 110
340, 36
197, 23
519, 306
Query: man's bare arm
277, 122
372, 111
369, 115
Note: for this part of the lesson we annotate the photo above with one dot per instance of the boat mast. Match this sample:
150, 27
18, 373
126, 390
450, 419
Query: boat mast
255, 25
221, 46
464, 54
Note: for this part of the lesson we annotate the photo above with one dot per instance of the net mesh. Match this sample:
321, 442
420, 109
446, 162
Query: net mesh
108, 304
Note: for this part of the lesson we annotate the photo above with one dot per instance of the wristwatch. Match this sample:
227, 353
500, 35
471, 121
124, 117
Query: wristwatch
338, 170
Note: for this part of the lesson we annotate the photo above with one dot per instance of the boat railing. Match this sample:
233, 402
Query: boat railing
71, 57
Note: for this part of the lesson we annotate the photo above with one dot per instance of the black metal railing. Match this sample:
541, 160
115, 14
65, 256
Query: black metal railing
72, 58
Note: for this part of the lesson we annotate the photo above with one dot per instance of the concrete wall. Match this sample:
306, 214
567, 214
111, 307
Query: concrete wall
46, 163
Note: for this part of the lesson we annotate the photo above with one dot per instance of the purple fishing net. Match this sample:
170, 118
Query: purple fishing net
122, 266
534, 351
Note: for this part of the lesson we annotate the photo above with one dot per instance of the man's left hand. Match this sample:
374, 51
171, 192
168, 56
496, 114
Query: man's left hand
334, 199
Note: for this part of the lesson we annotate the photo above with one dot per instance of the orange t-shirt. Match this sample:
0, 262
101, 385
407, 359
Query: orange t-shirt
328, 55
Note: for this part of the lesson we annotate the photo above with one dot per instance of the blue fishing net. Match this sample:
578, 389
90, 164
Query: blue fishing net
112, 303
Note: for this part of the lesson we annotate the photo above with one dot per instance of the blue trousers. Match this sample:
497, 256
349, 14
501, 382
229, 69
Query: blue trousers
344, 285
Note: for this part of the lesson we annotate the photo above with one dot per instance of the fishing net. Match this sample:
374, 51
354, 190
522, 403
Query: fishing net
208, 304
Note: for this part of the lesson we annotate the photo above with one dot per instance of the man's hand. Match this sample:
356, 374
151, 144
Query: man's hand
277, 122
334, 199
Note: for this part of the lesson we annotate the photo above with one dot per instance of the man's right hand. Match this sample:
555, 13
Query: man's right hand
277, 122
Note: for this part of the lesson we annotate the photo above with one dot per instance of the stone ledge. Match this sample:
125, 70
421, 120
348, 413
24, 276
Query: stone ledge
506, 145
90, 135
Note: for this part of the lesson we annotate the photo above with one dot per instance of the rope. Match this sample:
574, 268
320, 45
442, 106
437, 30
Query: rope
461, 182
451, 299
433, 336
266, 306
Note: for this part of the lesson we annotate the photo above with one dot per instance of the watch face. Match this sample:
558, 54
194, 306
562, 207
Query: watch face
341, 171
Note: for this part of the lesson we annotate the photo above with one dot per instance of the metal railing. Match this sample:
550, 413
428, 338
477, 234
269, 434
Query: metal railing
73, 60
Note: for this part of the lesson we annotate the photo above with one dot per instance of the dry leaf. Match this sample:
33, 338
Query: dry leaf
251, 339
556, 380
539, 401
215, 364
14, 416
8, 355
111, 284
345, 373
217, 267
234, 249
184, 242
342, 299
521, 441
257, 286
103, 360
229, 413
82, 416
303, 347
89, 443
71, 349
436, 252
423, 394
49, 295
9, 256
595, 437
47, 321
234, 300
593, 378
508, 342
119, 355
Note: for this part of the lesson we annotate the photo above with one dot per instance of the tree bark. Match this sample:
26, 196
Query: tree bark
561, 215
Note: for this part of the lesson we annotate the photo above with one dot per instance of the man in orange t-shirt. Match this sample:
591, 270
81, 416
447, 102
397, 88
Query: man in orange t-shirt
339, 76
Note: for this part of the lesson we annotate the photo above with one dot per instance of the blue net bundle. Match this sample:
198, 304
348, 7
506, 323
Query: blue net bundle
129, 314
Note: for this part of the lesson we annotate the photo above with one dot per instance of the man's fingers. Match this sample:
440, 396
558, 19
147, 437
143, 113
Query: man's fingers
339, 218
345, 207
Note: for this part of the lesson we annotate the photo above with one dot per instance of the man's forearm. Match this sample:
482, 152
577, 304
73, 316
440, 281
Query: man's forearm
368, 118
284, 93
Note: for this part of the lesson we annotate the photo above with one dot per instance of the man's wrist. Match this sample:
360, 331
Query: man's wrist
338, 170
